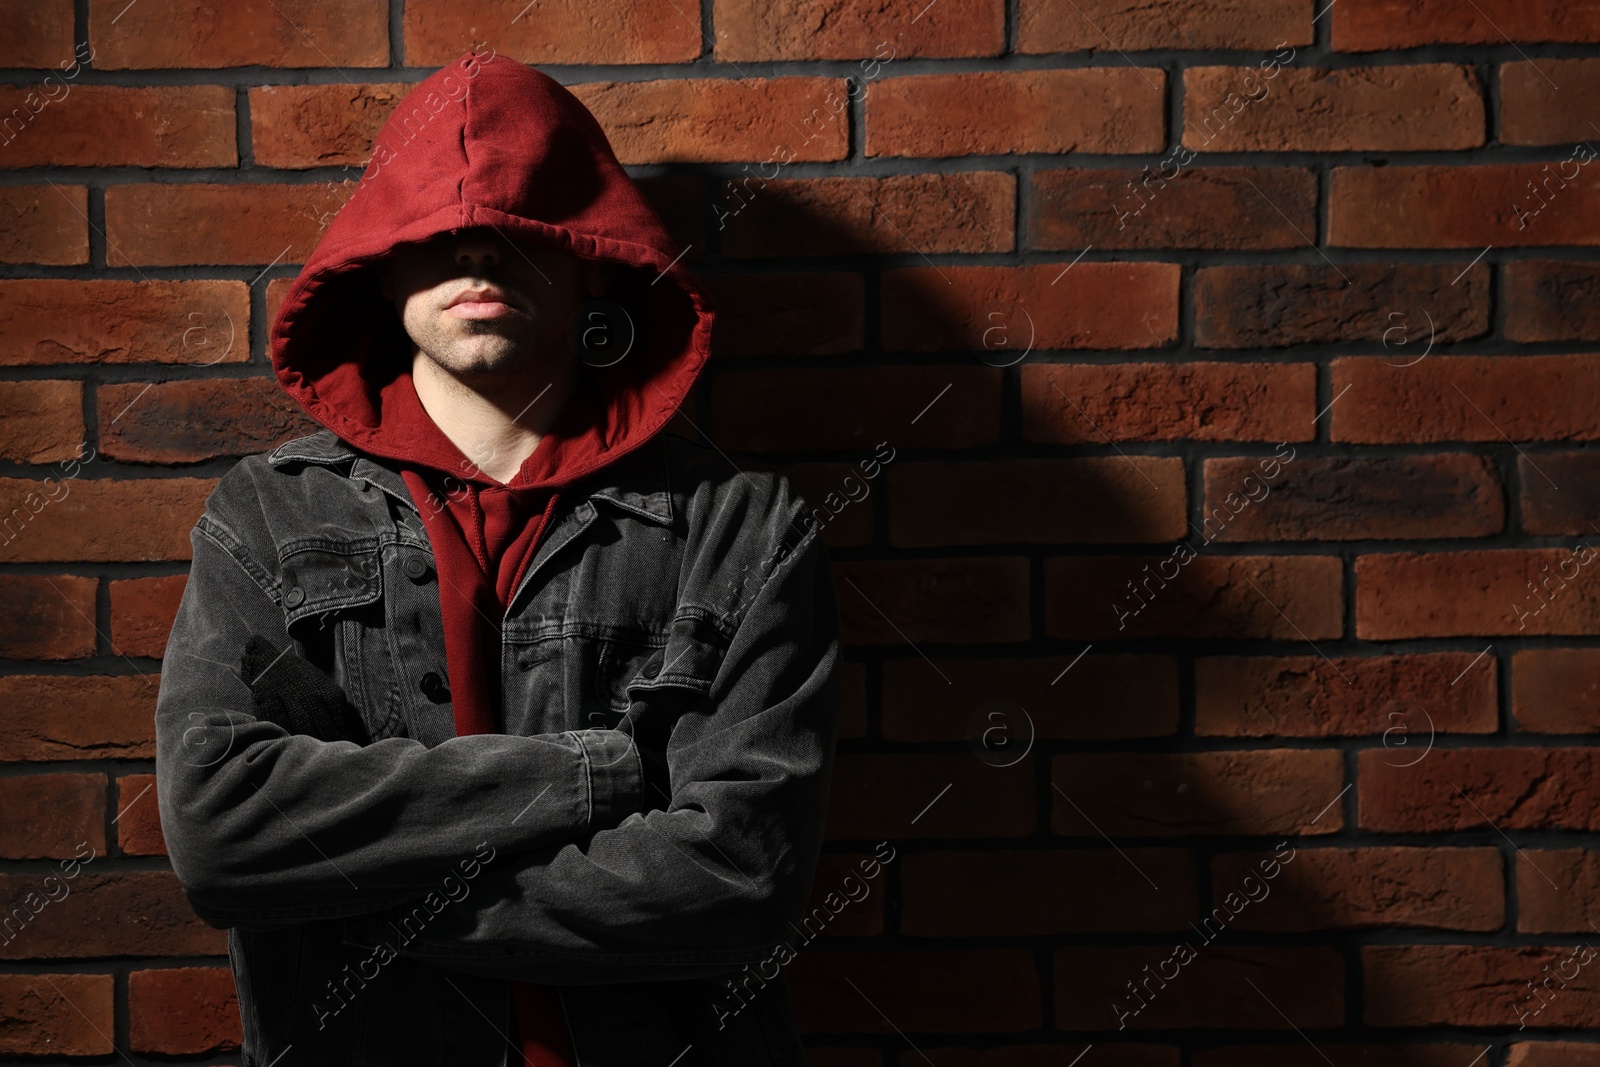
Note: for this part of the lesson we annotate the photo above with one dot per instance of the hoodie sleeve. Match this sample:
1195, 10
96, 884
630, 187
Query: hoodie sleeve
712, 882
263, 826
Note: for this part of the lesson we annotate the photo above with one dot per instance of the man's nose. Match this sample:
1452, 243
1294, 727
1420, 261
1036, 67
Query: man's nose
477, 250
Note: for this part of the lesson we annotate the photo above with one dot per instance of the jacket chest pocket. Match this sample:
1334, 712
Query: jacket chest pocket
333, 605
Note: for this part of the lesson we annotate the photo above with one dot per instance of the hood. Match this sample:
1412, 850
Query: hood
488, 141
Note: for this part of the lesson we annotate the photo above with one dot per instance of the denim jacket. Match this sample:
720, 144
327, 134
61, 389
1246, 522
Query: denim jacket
379, 893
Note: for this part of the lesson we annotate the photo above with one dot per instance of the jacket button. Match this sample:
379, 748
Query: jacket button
415, 568
651, 669
433, 688
295, 596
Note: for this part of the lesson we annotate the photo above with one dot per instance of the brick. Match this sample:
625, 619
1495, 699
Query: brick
1466, 398
1375, 25
330, 125
856, 878
1459, 789
1549, 1053
1554, 887
183, 1011
253, 224
639, 31
1556, 690
908, 214
1306, 985
1136, 794
722, 120
99, 519
47, 616
127, 913
1431, 106
1364, 889
1548, 101
680, 200
959, 699
38, 34
853, 702
277, 291
753, 30
248, 33
960, 601
836, 1056
839, 496
1009, 311
854, 410
49, 815
1475, 985
926, 990
67, 321
120, 126
1199, 207
1121, 1054
1184, 594
1045, 26
1340, 498
142, 610
1015, 893
788, 314
1559, 495
44, 225
1488, 593
68, 1014
1092, 403
41, 421
1400, 306
188, 421
1551, 300
1406, 699
1505, 205
1306, 1055
876, 796
1093, 499
55, 717
1088, 109
138, 818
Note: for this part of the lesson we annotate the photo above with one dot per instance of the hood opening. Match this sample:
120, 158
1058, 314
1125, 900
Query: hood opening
488, 142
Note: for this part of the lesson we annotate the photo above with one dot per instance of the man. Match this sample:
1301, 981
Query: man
496, 723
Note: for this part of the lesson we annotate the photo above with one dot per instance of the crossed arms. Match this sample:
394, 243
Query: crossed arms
590, 880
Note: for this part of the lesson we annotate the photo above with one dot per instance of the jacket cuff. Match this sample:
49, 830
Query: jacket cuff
616, 775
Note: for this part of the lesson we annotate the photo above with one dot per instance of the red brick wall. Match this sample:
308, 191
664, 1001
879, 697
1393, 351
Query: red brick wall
1233, 357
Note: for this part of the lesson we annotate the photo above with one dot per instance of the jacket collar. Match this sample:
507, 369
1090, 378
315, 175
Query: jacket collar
636, 483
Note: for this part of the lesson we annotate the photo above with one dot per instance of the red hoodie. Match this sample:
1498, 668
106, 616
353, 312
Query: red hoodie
487, 141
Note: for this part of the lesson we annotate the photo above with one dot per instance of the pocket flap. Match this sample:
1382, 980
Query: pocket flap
690, 659
316, 580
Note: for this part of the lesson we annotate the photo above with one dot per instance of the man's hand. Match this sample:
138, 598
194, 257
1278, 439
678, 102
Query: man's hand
294, 693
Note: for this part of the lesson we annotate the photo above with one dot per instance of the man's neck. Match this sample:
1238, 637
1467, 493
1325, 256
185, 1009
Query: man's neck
497, 422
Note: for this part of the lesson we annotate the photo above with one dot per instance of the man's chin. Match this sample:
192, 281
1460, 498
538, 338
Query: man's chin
485, 357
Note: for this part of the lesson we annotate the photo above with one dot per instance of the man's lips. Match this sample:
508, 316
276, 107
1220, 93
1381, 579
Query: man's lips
490, 303
479, 309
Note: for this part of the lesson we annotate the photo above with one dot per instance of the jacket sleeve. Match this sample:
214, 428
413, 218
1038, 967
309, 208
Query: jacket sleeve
715, 879
265, 827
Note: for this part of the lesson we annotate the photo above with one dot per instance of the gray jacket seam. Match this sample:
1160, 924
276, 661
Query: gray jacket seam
588, 778
223, 538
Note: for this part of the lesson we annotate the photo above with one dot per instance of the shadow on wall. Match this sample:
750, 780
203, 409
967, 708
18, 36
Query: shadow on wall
1094, 723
